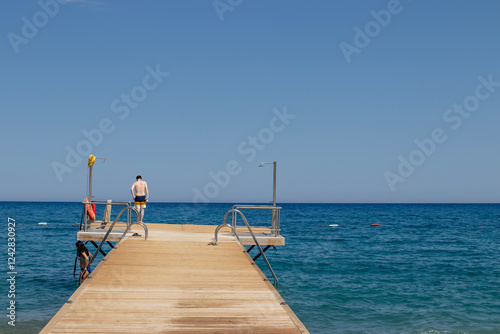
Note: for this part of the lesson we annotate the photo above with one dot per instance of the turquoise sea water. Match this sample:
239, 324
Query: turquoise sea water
428, 268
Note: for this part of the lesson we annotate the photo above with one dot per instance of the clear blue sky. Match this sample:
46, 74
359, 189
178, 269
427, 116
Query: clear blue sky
353, 88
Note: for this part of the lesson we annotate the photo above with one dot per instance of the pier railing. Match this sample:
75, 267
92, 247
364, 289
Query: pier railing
87, 225
129, 211
233, 228
275, 219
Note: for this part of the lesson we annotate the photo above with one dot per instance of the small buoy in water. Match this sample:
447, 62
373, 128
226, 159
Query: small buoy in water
333, 225
42, 223
375, 225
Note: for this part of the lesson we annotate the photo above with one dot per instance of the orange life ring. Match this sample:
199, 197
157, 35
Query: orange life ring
91, 210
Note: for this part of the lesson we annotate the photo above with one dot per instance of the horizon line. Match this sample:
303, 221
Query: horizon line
175, 202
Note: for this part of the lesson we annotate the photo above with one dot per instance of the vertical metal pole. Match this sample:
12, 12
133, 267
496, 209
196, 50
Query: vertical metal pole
84, 217
274, 184
278, 215
90, 183
274, 196
90, 196
233, 221
129, 218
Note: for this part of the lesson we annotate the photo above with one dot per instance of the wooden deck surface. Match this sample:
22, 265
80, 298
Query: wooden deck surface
175, 282
263, 234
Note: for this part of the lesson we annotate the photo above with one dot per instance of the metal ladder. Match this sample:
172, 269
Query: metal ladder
129, 209
225, 224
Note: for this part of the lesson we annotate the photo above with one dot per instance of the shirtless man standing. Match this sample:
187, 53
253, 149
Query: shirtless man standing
141, 195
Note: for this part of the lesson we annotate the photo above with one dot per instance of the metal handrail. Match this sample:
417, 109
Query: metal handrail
146, 230
126, 230
225, 224
275, 221
85, 217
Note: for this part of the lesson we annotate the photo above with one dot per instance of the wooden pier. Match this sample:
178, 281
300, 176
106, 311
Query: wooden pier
176, 282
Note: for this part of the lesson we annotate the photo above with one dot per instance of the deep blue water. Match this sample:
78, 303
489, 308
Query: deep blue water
428, 268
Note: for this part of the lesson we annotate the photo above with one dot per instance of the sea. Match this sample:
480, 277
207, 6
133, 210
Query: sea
426, 268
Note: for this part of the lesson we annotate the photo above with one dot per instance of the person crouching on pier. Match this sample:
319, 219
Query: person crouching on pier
84, 256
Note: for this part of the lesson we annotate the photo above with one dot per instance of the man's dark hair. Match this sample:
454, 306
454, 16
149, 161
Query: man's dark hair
138, 177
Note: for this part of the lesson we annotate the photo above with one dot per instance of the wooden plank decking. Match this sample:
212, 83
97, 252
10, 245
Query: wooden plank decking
175, 282
263, 234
